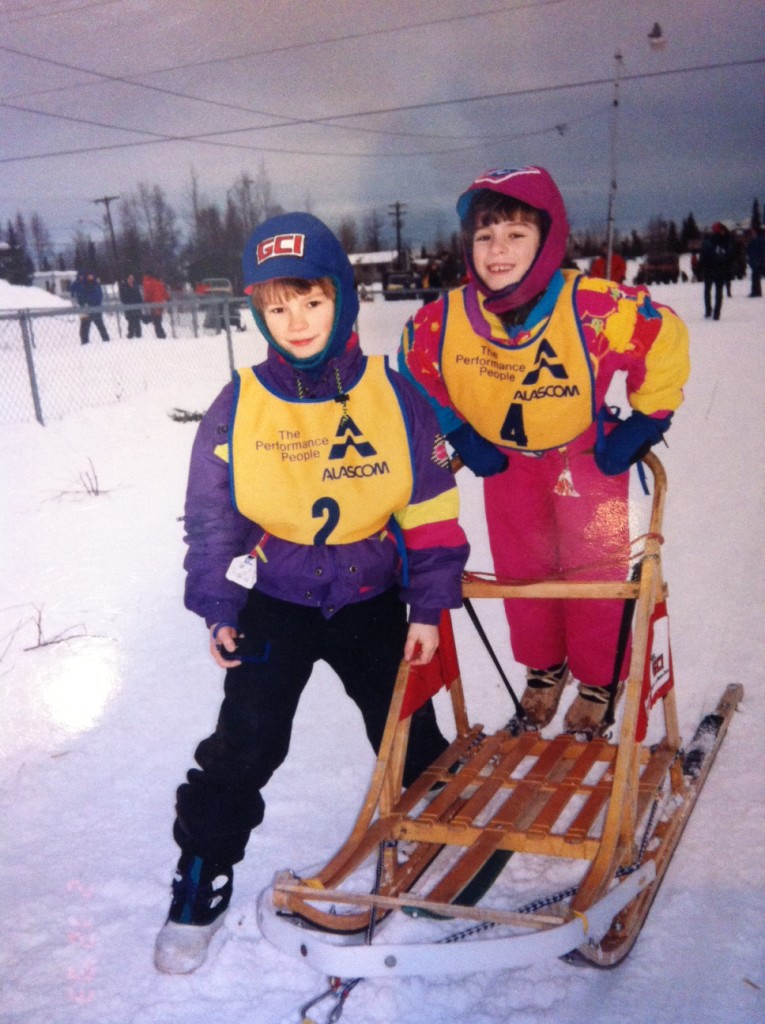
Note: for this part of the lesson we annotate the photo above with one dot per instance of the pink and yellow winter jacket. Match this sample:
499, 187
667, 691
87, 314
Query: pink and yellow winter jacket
544, 386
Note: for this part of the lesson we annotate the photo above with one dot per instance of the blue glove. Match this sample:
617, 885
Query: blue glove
629, 441
476, 452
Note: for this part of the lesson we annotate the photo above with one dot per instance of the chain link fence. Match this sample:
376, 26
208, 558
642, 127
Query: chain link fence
46, 372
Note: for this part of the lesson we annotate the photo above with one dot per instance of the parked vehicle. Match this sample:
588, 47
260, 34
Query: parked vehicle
407, 286
214, 317
663, 268
215, 286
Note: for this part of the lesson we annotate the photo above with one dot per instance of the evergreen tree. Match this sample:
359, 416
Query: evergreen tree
41, 241
16, 267
673, 241
657, 234
689, 232
756, 222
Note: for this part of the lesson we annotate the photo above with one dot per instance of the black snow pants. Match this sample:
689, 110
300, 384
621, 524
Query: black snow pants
220, 803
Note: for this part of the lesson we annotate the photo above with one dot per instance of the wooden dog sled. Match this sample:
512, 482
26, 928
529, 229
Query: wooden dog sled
610, 811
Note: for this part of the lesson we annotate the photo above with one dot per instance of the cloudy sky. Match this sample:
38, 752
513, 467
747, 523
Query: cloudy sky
352, 105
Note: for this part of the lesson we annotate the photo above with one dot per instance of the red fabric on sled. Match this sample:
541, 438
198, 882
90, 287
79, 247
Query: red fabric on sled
658, 676
442, 670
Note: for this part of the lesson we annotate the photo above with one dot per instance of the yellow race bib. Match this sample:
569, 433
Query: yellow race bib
310, 473
533, 396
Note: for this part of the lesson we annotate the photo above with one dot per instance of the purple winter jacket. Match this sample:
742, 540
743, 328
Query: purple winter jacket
322, 576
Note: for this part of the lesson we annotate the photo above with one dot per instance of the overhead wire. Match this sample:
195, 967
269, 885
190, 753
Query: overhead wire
283, 120
215, 138
21, 16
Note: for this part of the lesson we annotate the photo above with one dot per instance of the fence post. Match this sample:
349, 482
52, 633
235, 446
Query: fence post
229, 342
26, 334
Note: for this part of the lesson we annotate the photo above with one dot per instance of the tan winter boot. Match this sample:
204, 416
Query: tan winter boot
542, 694
587, 713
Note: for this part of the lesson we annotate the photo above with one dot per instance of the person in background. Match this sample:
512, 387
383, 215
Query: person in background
87, 292
155, 292
755, 257
517, 364
319, 505
618, 267
130, 295
715, 267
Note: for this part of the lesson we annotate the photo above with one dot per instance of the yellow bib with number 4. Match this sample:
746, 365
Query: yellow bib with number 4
535, 395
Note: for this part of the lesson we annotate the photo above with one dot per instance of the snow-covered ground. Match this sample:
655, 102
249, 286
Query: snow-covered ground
100, 722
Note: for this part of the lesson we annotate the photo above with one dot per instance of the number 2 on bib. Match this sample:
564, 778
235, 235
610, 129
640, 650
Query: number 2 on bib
332, 510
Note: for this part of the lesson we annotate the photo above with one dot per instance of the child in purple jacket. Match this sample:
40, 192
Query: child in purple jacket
319, 505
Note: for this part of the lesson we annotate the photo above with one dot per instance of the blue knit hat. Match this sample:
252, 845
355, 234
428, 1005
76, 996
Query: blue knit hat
300, 245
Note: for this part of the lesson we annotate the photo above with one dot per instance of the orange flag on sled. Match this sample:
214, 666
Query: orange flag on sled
442, 670
657, 673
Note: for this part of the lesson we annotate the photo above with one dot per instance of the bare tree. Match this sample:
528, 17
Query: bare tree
268, 205
243, 205
373, 229
348, 235
150, 231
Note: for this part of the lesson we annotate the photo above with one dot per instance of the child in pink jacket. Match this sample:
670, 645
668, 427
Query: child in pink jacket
517, 364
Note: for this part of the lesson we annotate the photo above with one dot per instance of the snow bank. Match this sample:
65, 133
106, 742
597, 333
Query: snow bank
19, 296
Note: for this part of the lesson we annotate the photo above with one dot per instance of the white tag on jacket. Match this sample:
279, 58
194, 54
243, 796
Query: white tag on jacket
244, 571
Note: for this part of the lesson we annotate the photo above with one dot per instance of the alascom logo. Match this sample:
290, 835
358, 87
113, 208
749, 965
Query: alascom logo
280, 245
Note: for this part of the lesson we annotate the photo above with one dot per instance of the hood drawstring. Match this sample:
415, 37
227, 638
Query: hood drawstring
341, 397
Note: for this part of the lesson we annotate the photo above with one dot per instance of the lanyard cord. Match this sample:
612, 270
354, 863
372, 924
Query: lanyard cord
341, 396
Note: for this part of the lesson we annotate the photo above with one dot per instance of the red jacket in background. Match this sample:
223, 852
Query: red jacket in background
154, 290
618, 268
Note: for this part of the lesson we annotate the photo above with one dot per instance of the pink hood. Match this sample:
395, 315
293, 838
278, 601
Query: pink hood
535, 187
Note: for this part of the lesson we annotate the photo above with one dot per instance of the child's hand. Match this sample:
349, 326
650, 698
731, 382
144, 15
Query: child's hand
223, 636
629, 441
421, 643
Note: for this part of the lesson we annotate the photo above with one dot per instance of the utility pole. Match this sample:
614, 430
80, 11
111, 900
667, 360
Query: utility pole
106, 200
612, 190
397, 211
657, 41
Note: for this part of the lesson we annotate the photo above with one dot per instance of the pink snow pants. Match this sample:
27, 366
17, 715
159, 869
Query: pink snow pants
536, 533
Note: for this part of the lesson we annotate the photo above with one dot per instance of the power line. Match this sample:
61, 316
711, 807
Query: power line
12, 20
281, 119
291, 47
158, 137
539, 90
270, 51
214, 138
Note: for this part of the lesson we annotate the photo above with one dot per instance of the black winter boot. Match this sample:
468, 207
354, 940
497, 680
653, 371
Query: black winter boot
201, 895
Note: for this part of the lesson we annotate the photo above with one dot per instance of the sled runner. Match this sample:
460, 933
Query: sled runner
606, 814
